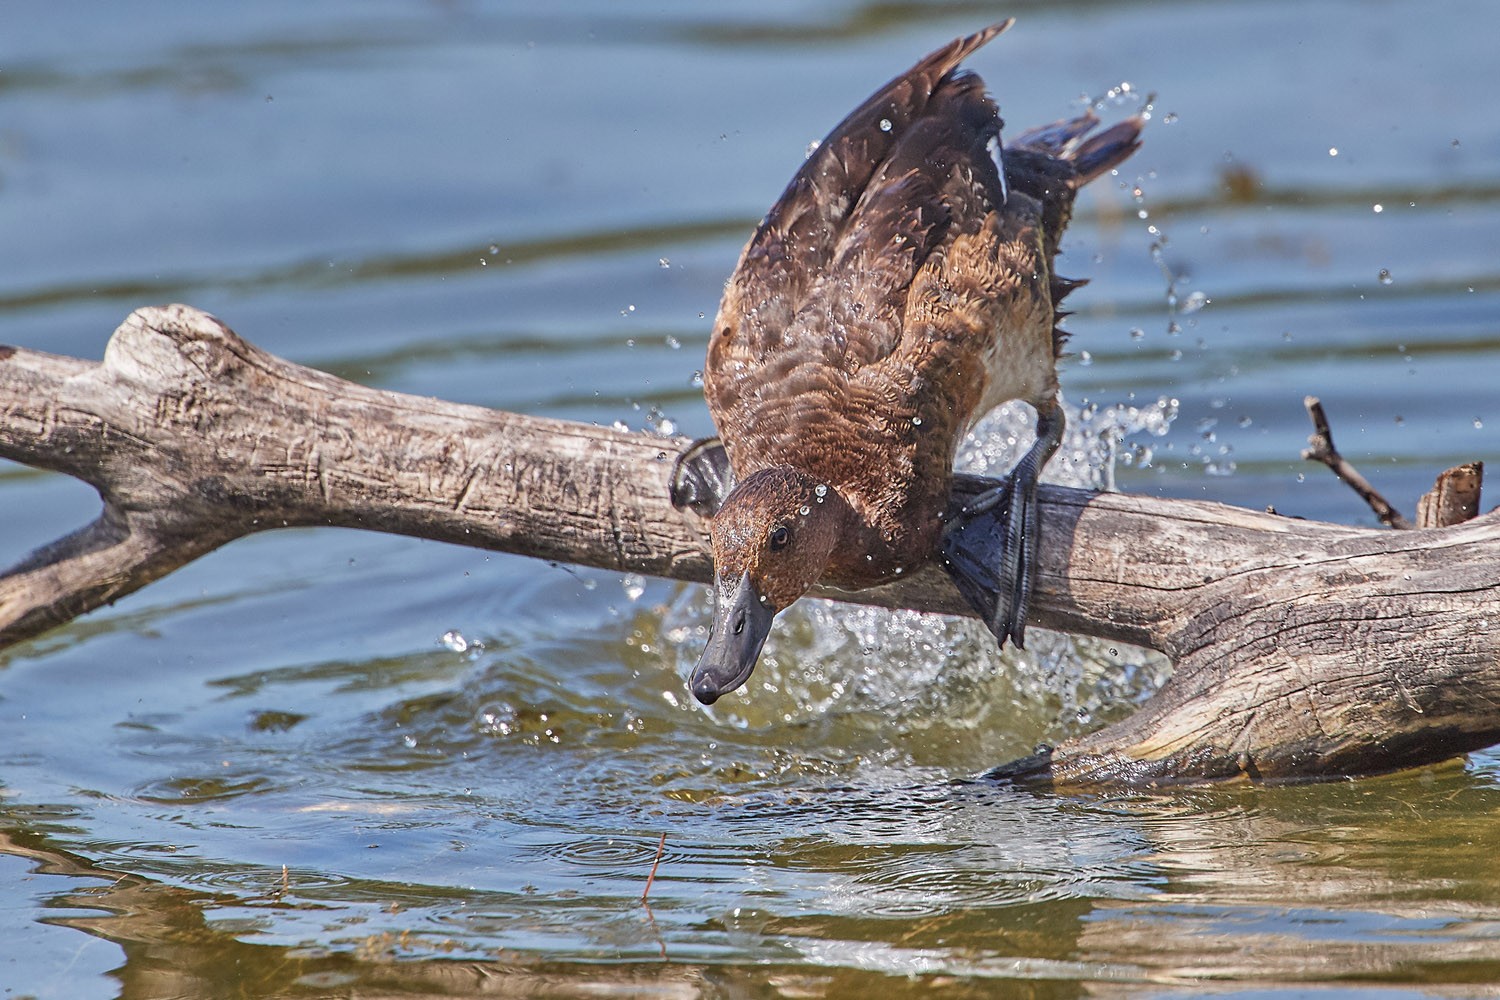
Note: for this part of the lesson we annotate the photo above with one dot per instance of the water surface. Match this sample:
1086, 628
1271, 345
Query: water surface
326, 762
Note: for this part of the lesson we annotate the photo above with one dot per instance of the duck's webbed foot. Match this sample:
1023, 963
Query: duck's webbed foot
702, 478
990, 546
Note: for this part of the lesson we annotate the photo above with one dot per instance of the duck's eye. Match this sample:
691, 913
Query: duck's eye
779, 537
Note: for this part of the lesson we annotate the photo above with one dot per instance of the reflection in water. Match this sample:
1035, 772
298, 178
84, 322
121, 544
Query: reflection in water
900, 888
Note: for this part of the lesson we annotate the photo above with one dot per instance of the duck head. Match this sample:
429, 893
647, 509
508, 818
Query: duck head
772, 539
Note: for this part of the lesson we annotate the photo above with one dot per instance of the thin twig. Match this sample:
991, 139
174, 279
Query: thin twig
1322, 450
660, 846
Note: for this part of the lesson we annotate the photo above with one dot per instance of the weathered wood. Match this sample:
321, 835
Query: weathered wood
1453, 499
1302, 649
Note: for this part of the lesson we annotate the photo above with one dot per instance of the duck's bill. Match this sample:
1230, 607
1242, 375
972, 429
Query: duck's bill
741, 623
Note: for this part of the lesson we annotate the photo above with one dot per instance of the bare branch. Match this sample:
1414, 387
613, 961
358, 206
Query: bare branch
1321, 449
1301, 649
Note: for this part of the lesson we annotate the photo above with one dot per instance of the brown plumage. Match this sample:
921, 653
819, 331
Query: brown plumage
897, 291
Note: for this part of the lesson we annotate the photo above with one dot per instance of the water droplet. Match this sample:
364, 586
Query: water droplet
1136, 333
1175, 356
634, 584
499, 719
1478, 424
1385, 277
812, 148
410, 741
1245, 421
1170, 118
673, 343
663, 262
1194, 302
1378, 208
916, 421
494, 248
455, 641
804, 510
885, 124
820, 490
1333, 151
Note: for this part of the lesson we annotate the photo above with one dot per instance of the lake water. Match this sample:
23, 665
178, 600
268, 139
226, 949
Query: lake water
466, 762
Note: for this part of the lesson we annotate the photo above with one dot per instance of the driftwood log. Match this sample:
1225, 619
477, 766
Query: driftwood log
1301, 649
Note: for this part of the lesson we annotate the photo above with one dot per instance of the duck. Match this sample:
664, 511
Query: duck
900, 288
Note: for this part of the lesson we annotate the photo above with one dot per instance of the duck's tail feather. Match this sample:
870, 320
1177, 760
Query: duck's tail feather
1087, 156
1050, 163
1106, 150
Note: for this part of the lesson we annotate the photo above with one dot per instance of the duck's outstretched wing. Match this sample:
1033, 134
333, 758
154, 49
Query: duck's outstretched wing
791, 258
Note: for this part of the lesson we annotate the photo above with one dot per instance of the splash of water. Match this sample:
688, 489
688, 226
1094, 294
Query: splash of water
923, 676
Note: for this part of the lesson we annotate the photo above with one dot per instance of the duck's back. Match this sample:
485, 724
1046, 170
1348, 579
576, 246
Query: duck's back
896, 291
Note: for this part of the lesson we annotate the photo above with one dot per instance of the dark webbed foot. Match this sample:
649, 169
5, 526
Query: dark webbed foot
990, 546
702, 478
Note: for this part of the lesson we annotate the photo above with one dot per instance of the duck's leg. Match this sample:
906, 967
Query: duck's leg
702, 478
990, 545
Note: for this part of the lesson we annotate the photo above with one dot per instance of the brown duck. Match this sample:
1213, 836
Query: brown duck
900, 288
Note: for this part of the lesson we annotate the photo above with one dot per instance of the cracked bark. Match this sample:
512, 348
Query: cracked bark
1301, 649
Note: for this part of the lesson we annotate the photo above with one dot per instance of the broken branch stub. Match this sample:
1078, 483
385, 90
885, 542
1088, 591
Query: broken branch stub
1301, 649
1454, 498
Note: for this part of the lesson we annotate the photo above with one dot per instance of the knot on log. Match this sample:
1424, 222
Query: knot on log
171, 348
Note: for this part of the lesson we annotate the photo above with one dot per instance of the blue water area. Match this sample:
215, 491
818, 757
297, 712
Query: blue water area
320, 760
